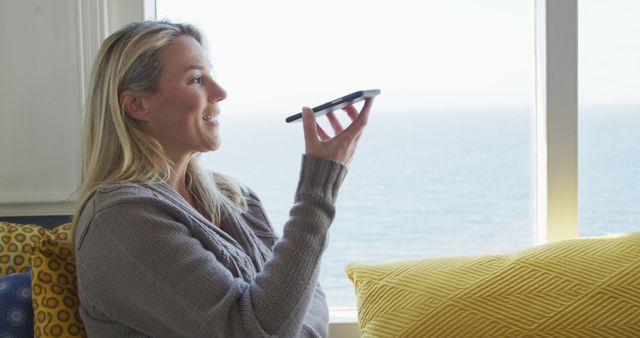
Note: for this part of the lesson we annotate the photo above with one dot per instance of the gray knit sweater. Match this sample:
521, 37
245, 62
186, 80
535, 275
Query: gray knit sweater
149, 264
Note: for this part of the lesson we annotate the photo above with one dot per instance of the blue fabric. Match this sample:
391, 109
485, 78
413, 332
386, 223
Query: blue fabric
16, 312
48, 222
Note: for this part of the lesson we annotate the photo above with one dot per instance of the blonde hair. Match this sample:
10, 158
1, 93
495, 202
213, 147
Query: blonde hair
115, 148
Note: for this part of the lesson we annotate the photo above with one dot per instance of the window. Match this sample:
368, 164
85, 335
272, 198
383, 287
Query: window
444, 167
609, 123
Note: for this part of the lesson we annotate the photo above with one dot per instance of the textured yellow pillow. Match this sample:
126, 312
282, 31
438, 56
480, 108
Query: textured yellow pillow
587, 287
16, 245
54, 286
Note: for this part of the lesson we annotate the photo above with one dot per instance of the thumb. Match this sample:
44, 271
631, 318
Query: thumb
309, 126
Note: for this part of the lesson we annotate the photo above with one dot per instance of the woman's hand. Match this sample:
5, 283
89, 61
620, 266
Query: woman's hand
342, 146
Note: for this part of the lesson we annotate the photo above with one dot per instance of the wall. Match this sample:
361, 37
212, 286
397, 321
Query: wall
40, 106
47, 48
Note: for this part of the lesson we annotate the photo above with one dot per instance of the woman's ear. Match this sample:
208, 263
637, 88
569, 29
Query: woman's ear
132, 104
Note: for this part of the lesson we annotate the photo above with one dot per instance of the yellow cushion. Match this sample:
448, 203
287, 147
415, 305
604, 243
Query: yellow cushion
587, 287
54, 287
16, 245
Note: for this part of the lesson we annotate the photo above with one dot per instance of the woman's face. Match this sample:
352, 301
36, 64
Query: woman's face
182, 113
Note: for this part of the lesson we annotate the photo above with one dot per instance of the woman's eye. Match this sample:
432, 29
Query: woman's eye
197, 80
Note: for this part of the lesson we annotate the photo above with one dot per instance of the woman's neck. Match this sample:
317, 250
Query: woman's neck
177, 180
177, 177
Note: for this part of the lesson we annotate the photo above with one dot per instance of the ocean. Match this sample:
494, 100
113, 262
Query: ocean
436, 183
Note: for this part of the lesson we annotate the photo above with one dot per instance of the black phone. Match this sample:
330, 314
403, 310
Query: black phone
337, 104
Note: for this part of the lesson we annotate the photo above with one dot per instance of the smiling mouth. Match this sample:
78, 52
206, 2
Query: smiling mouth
211, 119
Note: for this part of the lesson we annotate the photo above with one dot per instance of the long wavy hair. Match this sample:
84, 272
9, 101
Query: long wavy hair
115, 147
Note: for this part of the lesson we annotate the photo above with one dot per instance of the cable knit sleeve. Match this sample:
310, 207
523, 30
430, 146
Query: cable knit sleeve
141, 271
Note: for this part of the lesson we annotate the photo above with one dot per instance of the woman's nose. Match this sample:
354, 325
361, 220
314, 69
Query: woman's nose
216, 92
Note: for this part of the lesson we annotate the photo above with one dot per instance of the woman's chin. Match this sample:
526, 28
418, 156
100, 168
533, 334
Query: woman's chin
213, 146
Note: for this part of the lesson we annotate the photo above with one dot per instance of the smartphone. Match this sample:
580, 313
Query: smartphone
337, 104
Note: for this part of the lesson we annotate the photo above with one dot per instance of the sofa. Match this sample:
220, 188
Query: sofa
585, 287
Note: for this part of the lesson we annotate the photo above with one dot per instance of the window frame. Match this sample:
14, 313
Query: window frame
555, 143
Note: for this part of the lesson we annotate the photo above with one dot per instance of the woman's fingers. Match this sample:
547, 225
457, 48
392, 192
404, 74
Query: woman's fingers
364, 113
309, 128
341, 146
356, 127
323, 134
351, 111
335, 124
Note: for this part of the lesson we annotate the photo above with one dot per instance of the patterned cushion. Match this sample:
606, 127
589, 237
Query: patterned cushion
54, 289
16, 313
587, 287
16, 245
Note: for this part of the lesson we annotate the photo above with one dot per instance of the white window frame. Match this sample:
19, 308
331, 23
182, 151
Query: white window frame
555, 144
556, 121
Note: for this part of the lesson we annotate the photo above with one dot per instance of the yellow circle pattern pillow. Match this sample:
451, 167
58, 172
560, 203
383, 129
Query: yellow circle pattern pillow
16, 246
54, 286
587, 287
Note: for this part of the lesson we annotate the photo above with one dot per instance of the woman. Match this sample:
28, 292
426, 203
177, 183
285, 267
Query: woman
166, 249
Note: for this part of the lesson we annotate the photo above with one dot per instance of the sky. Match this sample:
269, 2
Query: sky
276, 56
